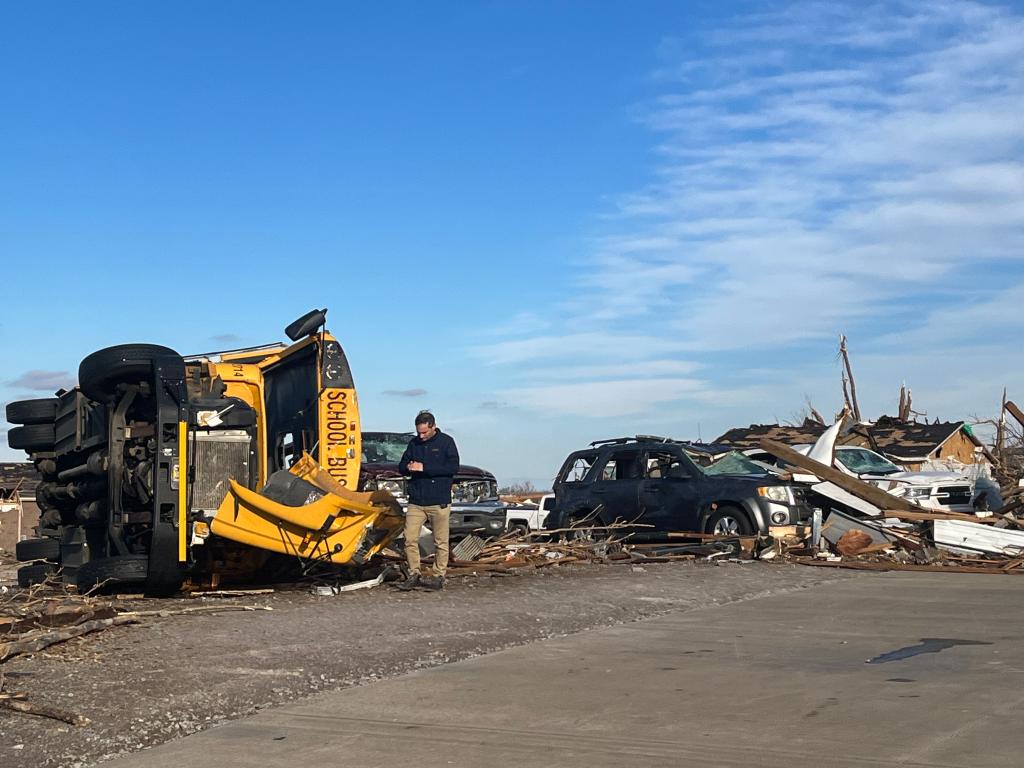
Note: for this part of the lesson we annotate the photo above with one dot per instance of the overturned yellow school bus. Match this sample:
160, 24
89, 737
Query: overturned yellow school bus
158, 468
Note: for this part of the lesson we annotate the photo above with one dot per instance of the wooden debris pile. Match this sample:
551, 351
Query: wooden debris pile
46, 615
607, 545
946, 542
903, 535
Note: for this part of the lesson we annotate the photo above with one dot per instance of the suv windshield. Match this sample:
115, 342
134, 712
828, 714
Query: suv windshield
385, 447
864, 462
735, 464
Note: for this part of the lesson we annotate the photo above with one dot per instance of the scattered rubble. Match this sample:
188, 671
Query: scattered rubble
900, 535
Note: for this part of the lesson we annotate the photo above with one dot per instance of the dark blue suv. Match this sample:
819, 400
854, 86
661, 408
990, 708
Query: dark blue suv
654, 481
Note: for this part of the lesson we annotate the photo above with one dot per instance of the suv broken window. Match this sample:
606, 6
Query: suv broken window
578, 467
664, 464
624, 465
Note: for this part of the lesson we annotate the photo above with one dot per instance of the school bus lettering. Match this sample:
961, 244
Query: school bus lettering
339, 430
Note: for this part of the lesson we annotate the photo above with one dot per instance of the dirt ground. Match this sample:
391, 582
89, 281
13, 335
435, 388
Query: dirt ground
145, 684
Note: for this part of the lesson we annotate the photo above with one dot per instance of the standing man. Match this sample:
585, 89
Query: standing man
431, 461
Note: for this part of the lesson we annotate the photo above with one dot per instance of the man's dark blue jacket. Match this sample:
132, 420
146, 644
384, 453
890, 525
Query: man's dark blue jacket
440, 460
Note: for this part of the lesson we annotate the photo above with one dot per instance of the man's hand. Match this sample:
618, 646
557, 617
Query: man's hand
415, 466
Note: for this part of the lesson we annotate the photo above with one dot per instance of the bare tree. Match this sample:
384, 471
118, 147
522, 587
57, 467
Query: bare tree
850, 397
523, 488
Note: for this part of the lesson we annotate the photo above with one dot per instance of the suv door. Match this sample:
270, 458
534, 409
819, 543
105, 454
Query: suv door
616, 485
670, 491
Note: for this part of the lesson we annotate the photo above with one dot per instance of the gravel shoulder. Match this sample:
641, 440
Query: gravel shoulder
145, 684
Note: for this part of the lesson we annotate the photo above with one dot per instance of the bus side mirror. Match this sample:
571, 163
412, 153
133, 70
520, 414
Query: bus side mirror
307, 325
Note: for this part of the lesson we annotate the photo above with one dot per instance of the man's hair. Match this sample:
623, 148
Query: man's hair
425, 417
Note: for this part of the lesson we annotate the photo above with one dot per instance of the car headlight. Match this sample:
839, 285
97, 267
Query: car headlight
496, 524
917, 493
396, 487
774, 492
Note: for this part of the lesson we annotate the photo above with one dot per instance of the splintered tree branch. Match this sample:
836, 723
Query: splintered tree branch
43, 711
906, 402
1000, 446
813, 411
36, 641
852, 401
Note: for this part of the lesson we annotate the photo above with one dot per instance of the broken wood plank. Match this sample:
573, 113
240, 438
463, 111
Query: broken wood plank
862, 490
197, 609
1010, 506
557, 561
705, 537
1013, 410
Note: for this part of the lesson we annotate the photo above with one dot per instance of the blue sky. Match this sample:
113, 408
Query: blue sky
549, 222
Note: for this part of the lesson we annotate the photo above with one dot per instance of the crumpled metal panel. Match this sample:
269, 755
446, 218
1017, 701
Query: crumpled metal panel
469, 548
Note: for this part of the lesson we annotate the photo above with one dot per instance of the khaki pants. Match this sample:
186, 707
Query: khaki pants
415, 517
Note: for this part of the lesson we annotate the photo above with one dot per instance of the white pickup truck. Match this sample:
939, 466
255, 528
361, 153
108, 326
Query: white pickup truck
941, 491
529, 517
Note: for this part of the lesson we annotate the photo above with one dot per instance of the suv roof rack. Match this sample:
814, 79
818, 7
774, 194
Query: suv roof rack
637, 439
657, 439
609, 441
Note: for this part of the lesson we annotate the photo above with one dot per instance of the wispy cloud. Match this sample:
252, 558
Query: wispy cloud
519, 324
44, 381
405, 392
493, 405
604, 398
820, 168
587, 346
226, 338
631, 368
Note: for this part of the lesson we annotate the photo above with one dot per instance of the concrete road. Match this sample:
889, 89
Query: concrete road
889, 669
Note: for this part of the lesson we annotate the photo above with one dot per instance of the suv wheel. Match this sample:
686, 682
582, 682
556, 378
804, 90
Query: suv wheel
583, 522
728, 521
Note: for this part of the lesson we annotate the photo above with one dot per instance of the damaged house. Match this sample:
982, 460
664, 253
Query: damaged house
912, 445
